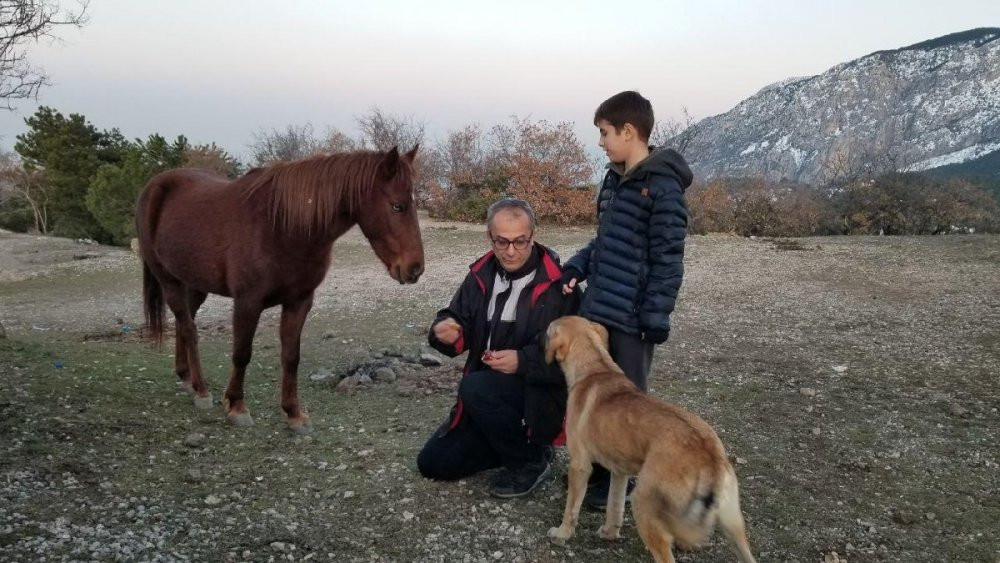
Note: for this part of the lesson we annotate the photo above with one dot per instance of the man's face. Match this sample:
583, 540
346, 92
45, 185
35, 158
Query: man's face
612, 141
511, 229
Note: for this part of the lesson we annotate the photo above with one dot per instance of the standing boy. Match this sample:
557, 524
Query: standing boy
634, 264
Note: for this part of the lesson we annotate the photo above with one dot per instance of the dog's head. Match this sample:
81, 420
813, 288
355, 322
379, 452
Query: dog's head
564, 331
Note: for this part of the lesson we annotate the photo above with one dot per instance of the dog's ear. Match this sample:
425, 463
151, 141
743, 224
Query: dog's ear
602, 333
556, 344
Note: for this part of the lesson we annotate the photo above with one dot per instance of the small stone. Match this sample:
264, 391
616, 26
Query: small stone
956, 409
840, 369
407, 516
808, 391
364, 379
903, 517
348, 384
497, 555
193, 476
321, 375
741, 461
816, 431
429, 360
930, 516
194, 440
328, 335
212, 500
385, 375
832, 557
278, 546
810, 408
348, 494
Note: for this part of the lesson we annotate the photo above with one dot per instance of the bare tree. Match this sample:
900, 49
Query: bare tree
338, 141
18, 183
382, 131
23, 23
673, 133
295, 142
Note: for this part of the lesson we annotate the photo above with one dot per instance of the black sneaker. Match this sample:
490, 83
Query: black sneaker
513, 484
597, 493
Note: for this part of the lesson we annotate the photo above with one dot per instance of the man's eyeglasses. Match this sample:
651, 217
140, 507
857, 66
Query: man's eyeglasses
519, 243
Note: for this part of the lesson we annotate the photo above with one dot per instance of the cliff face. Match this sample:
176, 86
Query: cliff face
922, 106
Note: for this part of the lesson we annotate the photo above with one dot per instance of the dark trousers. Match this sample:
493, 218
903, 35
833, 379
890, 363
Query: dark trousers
635, 357
490, 434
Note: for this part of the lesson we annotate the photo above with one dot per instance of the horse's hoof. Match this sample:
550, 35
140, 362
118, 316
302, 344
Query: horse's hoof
203, 403
300, 426
241, 419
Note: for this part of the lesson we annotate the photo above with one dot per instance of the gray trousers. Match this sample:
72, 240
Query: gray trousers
633, 355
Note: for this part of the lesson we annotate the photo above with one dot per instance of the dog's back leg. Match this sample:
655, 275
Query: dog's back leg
731, 518
649, 512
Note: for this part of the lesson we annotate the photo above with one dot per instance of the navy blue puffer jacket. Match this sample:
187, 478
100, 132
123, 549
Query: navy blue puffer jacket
634, 265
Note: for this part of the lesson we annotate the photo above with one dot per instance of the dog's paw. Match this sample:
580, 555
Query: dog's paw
558, 536
607, 533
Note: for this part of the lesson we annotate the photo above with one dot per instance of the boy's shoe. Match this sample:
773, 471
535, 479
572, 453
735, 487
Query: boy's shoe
597, 493
521, 482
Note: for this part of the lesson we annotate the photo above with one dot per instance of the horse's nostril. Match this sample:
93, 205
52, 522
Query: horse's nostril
416, 271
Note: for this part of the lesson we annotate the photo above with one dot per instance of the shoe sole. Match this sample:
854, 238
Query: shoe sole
541, 479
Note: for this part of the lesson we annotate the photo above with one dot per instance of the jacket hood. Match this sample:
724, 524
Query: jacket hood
667, 162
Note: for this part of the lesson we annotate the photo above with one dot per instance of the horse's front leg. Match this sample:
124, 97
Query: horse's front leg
293, 317
245, 318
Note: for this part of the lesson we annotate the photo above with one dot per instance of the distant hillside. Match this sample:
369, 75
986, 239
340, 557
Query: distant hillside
984, 170
927, 105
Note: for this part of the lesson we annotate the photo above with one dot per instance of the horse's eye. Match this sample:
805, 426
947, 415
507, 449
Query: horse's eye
399, 207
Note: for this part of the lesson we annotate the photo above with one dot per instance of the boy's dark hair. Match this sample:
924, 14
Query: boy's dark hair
627, 107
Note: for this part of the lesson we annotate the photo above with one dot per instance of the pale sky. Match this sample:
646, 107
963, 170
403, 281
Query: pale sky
219, 70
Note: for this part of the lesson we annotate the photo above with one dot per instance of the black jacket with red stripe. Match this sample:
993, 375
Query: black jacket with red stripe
541, 302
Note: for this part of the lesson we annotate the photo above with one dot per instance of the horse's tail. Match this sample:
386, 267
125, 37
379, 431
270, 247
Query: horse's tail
152, 291
152, 303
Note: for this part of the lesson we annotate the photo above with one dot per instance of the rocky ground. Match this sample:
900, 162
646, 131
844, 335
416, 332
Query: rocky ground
854, 382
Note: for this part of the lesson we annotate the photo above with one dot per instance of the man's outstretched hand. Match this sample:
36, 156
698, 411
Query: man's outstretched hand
448, 330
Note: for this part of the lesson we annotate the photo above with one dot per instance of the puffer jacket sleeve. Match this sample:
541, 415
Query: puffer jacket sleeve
667, 229
462, 310
581, 260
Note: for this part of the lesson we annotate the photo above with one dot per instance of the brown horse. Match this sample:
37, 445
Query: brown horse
265, 239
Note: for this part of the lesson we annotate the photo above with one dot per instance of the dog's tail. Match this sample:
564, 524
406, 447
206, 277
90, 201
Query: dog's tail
730, 517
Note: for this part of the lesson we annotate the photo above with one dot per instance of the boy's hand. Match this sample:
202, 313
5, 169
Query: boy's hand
504, 361
568, 280
448, 330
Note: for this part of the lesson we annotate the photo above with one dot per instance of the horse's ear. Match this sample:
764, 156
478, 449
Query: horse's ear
390, 162
413, 153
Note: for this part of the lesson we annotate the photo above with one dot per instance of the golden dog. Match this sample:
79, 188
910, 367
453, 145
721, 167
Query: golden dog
685, 483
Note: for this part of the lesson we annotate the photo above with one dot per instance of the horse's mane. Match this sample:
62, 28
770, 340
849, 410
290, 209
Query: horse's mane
306, 195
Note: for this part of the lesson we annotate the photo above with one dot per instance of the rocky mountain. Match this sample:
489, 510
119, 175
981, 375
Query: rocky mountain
919, 107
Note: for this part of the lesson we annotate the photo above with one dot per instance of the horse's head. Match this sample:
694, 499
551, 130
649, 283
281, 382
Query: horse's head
389, 218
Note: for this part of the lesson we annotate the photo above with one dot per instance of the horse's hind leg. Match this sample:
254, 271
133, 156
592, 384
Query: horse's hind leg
177, 297
194, 301
245, 319
293, 317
